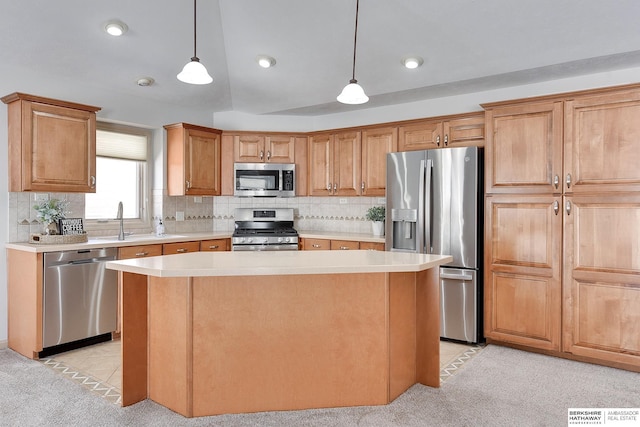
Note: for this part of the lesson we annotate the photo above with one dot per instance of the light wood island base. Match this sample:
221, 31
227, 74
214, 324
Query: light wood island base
233, 344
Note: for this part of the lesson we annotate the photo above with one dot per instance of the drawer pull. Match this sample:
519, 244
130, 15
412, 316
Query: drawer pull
214, 247
140, 254
315, 245
344, 248
182, 250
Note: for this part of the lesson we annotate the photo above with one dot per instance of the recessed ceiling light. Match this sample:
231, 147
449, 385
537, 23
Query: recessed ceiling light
145, 81
115, 28
412, 62
265, 61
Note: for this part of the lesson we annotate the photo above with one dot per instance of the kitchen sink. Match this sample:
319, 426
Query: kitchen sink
137, 237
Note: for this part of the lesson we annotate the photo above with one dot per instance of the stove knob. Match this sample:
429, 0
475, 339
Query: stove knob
249, 239
280, 239
287, 239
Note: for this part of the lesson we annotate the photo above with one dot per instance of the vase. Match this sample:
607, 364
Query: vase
50, 228
378, 228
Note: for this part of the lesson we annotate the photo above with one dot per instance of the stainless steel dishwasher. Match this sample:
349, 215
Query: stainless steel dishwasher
80, 298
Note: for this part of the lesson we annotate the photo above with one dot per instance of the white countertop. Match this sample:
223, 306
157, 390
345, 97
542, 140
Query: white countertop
150, 239
196, 264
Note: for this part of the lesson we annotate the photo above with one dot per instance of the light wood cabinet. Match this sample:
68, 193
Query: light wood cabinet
251, 148
344, 245
142, 251
524, 148
376, 143
455, 131
562, 271
52, 145
334, 164
193, 160
328, 244
215, 245
180, 247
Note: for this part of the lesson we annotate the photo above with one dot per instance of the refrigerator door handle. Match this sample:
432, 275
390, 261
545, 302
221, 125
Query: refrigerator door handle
420, 231
427, 207
464, 277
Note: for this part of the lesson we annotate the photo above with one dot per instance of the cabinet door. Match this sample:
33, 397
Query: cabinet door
372, 246
376, 143
202, 163
425, 135
524, 148
280, 149
344, 245
602, 277
127, 252
319, 156
316, 244
249, 148
180, 248
523, 236
215, 245
464, 132
347, 152
59, 149
602, 143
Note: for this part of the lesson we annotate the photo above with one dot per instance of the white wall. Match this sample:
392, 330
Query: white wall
151, 114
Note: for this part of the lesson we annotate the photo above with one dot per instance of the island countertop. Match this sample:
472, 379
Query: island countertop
199, 264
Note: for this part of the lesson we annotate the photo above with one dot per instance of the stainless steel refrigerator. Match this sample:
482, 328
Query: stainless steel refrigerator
435, 205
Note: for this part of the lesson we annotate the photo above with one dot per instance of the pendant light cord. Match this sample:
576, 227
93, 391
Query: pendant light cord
194, 29
355, 40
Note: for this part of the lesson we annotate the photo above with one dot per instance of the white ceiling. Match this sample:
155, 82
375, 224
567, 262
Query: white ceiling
467, 46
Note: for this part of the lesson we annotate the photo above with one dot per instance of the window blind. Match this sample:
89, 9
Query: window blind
121, 146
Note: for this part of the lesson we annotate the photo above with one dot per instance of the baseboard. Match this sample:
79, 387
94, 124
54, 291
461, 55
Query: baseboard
4, 344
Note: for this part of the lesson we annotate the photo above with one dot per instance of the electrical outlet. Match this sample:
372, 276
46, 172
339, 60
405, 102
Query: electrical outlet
179, 216
382, 200
197, 199
343, 201
41, 197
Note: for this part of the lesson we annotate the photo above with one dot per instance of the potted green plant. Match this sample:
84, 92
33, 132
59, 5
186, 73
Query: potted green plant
376, 214
49, 212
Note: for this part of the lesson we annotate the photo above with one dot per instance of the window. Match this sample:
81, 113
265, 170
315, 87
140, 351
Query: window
121, 176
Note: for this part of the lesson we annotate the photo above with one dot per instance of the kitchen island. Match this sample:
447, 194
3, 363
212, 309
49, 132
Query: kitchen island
229, 332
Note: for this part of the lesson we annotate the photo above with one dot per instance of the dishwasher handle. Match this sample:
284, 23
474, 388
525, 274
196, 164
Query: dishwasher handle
463, 277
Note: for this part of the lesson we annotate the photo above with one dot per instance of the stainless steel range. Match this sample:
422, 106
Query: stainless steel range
268, 229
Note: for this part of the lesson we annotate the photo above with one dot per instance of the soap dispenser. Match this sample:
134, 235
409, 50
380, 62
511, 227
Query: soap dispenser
160, 229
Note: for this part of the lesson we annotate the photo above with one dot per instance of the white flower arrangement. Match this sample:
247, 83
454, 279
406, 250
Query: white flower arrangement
51, 210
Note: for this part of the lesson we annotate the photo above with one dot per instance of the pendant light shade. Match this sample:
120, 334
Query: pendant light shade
353, 92
194, 72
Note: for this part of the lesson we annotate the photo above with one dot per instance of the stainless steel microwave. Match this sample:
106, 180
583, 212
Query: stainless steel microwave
264, 179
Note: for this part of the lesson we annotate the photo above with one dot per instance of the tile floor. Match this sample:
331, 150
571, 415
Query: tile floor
98, 367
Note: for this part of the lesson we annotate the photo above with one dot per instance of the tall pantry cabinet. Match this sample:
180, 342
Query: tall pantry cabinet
562, 225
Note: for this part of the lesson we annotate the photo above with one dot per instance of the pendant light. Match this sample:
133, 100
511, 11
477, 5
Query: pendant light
353, 92
194, 72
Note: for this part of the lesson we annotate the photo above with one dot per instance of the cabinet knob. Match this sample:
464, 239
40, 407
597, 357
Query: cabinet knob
93, 181
315, 245
362, 186
567, 207
344, 248
556, 207
261, 155
446, 140
335, 187
188, 184
268, 155
556, 181
568, 181
438, 140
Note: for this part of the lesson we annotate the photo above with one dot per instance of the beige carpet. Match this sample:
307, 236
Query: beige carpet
498, 387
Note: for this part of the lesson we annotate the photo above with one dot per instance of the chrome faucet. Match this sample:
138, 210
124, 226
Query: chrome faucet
120, 217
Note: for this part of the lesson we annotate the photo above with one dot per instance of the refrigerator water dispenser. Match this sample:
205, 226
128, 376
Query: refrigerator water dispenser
404, 222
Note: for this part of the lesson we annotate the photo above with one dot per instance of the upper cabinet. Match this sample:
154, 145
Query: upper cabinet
253, 148
376, 143
601, 142
52, 145
524, 148
193, 160
454, 131
334, 164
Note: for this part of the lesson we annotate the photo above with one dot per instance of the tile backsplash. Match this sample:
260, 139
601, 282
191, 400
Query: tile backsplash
207, 214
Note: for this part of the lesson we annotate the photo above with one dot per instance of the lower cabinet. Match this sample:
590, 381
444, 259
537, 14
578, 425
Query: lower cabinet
215, 245
180, 247
310, 244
